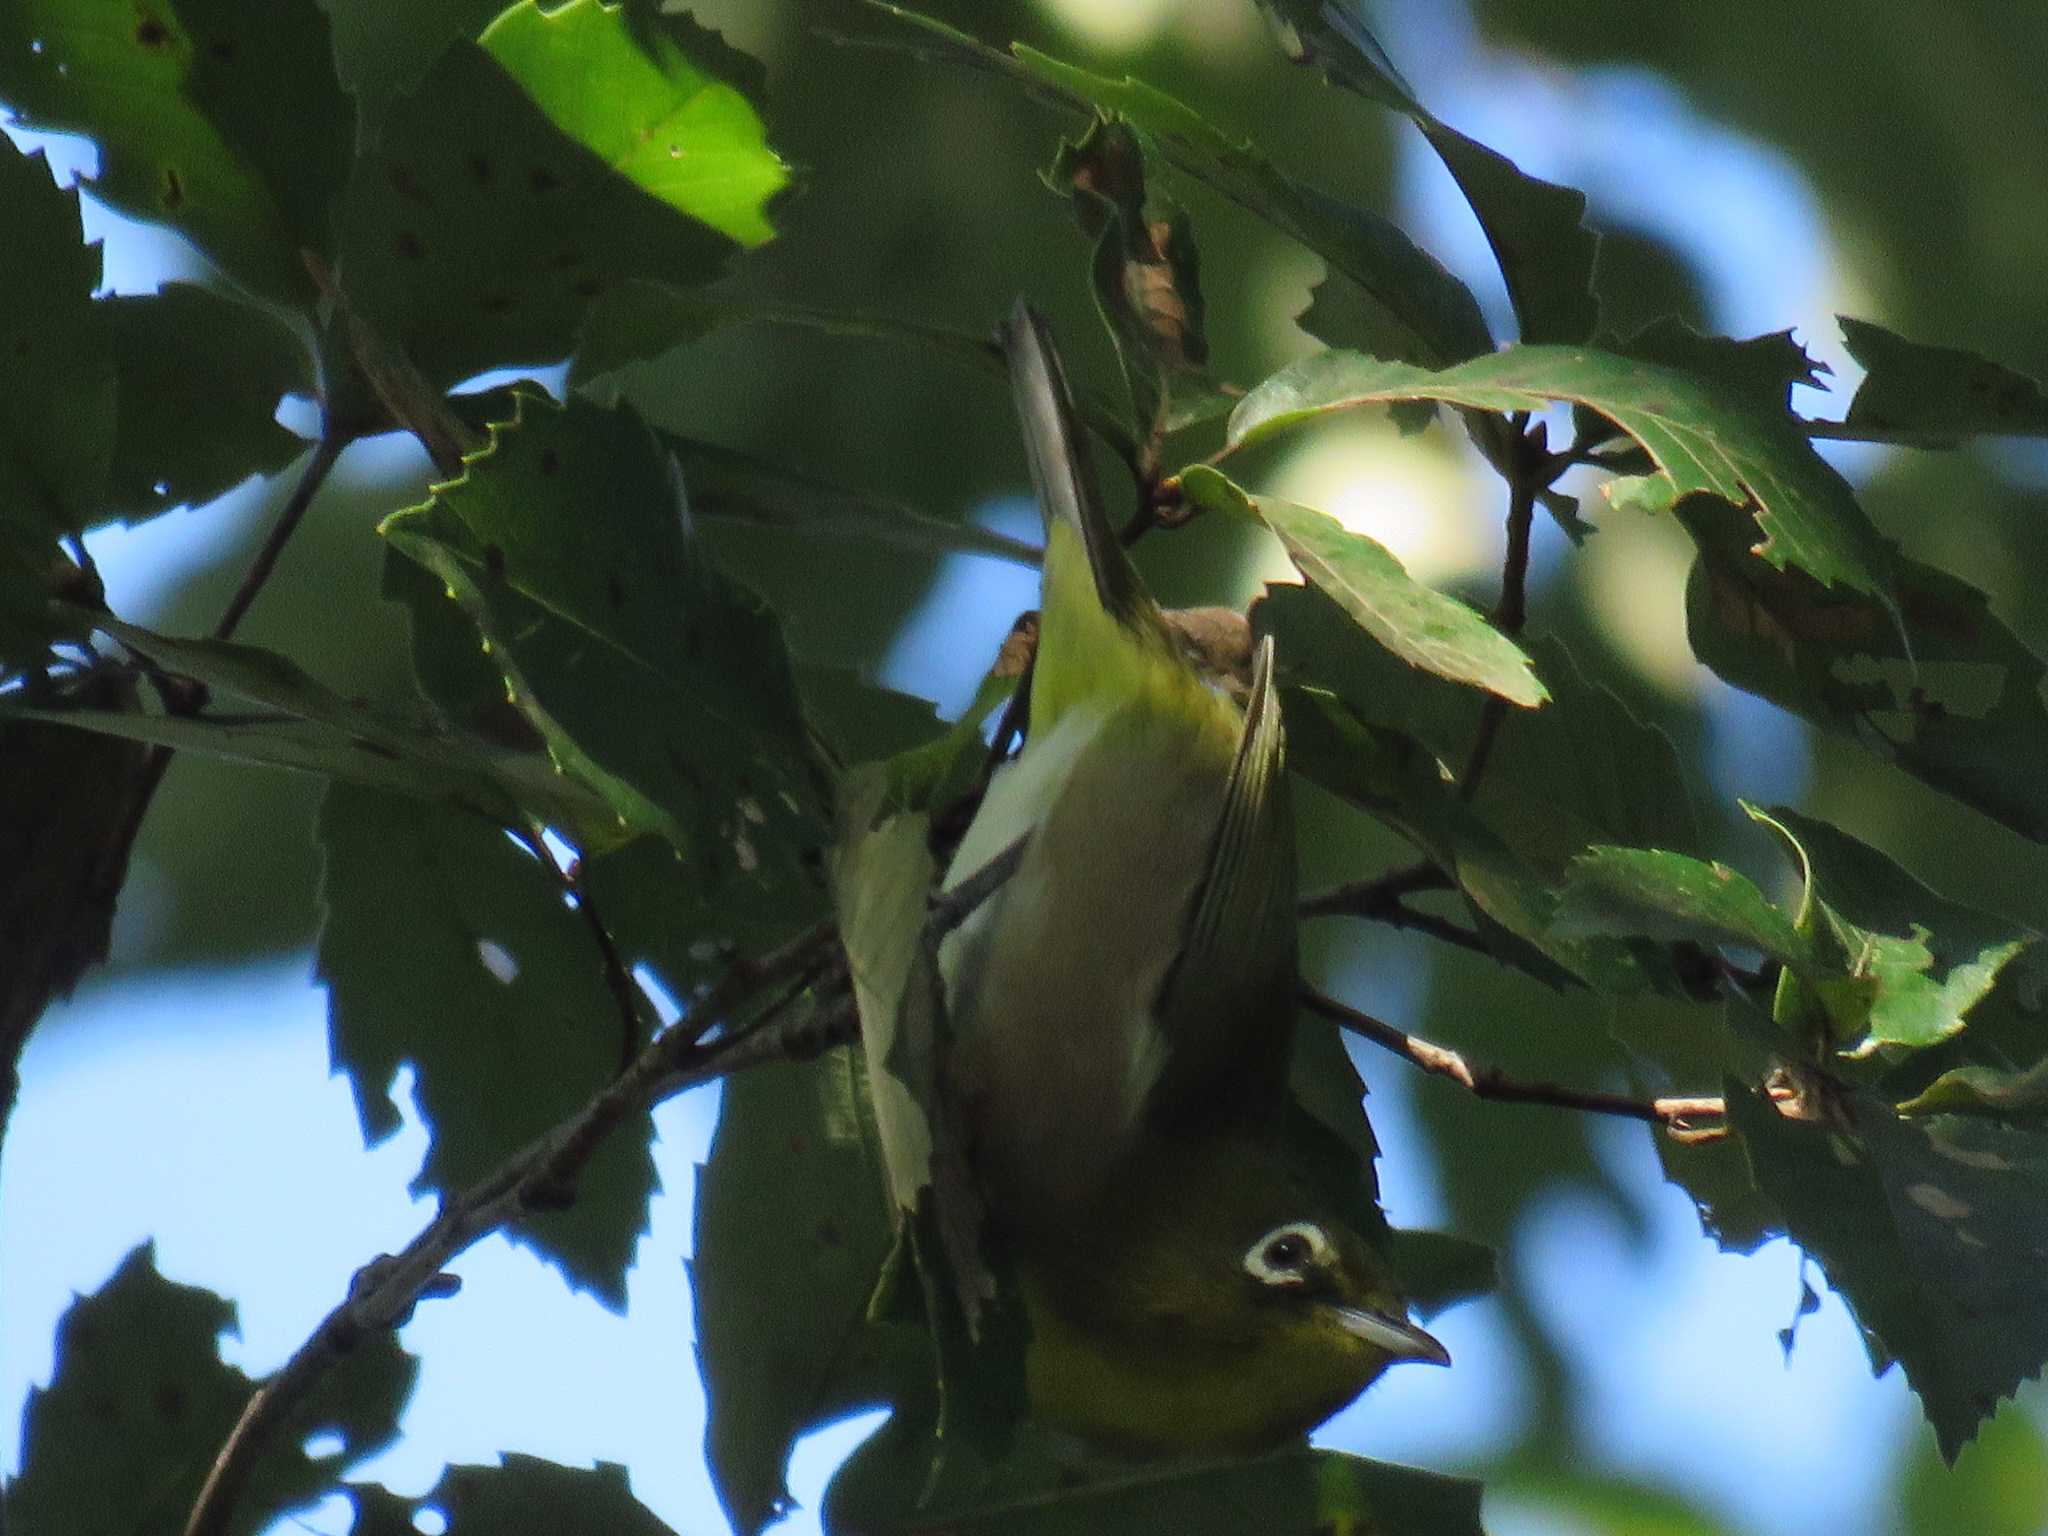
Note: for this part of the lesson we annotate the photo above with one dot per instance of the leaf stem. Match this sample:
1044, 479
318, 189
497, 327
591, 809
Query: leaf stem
326, 452
383, 1292
1526, 478
1675, 1115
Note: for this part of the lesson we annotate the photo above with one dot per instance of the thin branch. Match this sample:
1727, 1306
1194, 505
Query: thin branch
618, 981
1675, 1115
539, 1176
325, 454
1381, 900
1511, 613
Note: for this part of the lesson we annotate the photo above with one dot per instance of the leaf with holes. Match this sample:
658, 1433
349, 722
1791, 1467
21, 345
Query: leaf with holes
1933, 1231
1704, 437
1422, 626
181, 96
521, 1493
448, 947
139, 1368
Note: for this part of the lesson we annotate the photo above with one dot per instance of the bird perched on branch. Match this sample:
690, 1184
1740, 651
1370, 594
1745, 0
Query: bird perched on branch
1123, 1007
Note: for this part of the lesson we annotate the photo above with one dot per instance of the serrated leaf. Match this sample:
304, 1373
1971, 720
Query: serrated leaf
1985, 1091
646, 671
500, 198
1426, 315
1957, 701
181, 97
726, 484
1704, 437
521, 1494
174, 444
1546, 255
634, 97
57, 422
139, 1369
1932, 1230
446, 946
1651, 893
1916, 962
1422, 626
1919, 393
781, 1306
303, 725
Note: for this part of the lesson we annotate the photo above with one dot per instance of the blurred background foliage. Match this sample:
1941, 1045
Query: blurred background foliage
1915, 131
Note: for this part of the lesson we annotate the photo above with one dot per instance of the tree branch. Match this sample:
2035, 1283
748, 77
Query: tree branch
1380, 900
1511, 614
1675, 1115
383, 1292
326, 452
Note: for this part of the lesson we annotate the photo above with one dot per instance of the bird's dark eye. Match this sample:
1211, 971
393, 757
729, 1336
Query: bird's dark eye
1289, 1250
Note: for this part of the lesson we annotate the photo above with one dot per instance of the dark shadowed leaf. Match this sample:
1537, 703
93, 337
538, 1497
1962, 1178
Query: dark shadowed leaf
782, 1329
1919, 393
1421, 313
181, 96
175, 444
57, 420
1422, 626
534, 169
521, 1495
1546, 255
1985, 1091
1933, 1230
123, 1436
447, 946
1702, 436
646, 671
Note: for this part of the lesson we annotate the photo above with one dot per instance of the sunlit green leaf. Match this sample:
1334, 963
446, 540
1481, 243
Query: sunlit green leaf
1422, 626
1656, 894
1702, 437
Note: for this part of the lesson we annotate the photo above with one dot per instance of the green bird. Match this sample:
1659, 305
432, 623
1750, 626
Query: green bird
1123, 1006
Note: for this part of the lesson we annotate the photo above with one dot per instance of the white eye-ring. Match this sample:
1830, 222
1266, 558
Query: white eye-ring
1288, 1254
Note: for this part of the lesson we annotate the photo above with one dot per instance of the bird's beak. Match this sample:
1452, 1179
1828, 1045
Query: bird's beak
1396, 1335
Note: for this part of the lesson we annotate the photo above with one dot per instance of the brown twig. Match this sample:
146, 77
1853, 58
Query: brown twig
1675, 1115
326, 452
1380, 900
1511, 614
383, 1292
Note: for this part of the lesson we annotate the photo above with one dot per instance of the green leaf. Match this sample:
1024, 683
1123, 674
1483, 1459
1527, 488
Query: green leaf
305, 726
1704, 437
726, 484
500, 199
1424, 314
56, 437
182, 97
1651, 893
1546, 255
1299, 1492
647, 672
1916, 961
1918, 393
1956, 701
782, 1330
521, 1494
635, 98
1985, 1091
175, 444
1932, 1231
138, 1368
1422, 626
1440, 1269
447, 946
